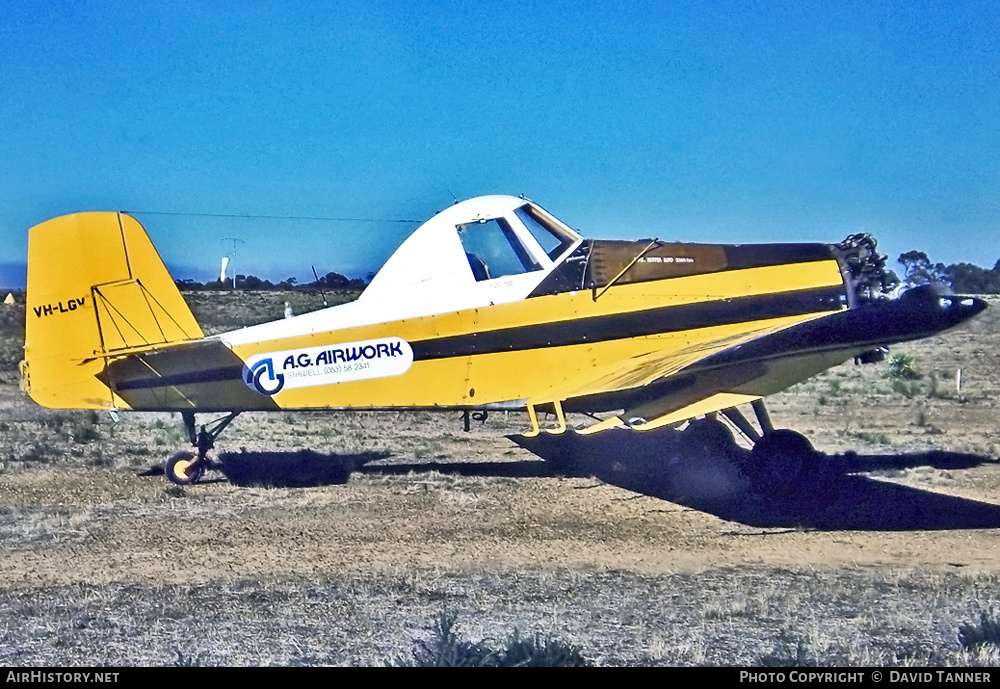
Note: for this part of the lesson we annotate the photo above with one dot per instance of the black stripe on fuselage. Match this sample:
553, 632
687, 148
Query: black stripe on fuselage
621, 326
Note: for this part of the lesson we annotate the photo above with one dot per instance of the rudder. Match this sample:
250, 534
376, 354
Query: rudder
97, 289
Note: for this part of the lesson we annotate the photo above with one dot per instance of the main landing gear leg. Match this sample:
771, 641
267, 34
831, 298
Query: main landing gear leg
736, 417
184, 467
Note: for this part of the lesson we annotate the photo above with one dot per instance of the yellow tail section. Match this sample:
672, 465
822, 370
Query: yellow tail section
97, 290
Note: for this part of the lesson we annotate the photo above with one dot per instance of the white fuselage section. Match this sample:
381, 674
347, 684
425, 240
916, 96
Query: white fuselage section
432, 273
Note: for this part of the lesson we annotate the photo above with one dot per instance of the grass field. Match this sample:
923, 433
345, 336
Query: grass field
332, 538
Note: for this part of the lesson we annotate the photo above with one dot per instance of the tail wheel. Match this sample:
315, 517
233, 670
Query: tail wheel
183, 468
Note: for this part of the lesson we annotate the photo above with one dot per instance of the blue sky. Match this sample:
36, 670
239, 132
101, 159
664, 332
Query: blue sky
715, 122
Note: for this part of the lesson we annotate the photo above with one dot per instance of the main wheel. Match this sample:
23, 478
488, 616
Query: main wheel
183, 468
782, 459
708, 434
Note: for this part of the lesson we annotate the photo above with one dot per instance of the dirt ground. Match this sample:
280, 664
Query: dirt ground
338, 538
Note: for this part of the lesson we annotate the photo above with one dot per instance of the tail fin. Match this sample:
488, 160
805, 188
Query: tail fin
97, 290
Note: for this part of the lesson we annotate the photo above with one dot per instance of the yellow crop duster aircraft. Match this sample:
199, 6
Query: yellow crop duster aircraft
492, 304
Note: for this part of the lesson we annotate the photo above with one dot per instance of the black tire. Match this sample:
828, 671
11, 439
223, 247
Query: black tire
183, 468
709, 435
782, 459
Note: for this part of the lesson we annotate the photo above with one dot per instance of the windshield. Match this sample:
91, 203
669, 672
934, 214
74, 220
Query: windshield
493, 250
553, 240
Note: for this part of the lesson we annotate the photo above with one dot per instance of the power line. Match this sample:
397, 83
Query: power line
273, 217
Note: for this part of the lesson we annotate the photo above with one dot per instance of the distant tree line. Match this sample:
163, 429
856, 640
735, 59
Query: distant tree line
330, 281
964, 278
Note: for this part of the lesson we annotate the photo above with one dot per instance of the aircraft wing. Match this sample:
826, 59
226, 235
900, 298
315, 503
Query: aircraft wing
762, 363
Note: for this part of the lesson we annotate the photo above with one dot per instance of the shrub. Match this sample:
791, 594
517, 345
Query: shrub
779, 657
973, 636
85, 432
41, 452
535, 651
446, 649
902, 367
907, 390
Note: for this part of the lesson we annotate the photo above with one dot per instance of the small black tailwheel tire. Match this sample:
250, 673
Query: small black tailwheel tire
183, 468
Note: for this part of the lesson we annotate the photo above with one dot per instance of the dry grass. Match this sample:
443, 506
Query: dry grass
743, 616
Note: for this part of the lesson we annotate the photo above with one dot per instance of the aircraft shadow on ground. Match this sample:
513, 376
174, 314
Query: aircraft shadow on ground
520, 469
301, 469
306, 468
661, 465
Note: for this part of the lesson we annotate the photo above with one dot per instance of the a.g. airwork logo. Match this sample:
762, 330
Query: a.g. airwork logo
271, 372
262, 378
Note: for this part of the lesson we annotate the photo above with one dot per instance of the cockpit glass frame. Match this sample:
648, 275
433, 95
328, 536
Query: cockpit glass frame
553, 240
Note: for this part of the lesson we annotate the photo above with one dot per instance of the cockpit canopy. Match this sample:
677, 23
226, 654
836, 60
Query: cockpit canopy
490, 249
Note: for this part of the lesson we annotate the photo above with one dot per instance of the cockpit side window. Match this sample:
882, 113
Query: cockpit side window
494, 250
553, 242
